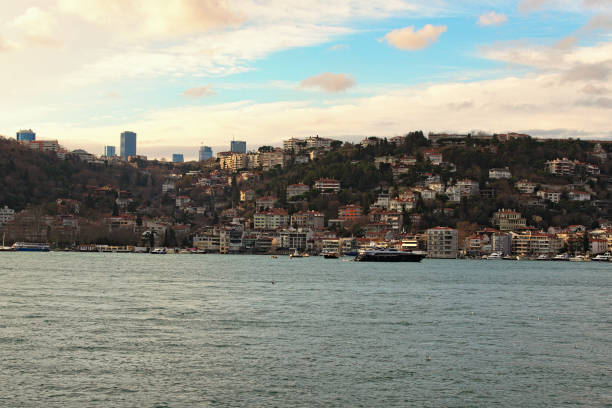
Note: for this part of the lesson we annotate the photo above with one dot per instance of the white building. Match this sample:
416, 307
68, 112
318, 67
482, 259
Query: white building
500, 173
271, 219
326, 184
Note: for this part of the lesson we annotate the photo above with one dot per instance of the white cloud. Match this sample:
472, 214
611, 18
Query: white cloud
154, 18
36, 27
329, 82
408, 39
492, 18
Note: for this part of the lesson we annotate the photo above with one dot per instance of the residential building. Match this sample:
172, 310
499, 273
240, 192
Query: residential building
579, 196
382, 200
442, 243
370, 141
402, 204
265, 203
6, 215
308, 219
500, 173
43, 145
525, 187
128, 144
598, 245
468, 187
535, 243
434, 156
271, 219
178, 158
294, 190
247, 195
109, 151
169, 185
270, 160
238, 146
205, 153
182, 201
294, 145
350, 212
316, 142
561, 167
83, 155
508, 220
294, 239
502, 243
327, 184
506, 137
26, 136
552, 196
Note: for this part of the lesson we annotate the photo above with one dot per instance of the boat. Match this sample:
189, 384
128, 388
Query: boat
494, 256
561, 257
510, 258
295, 254
30, 247
607, 257
351, 253
388, 255
159, 251
580, 258
330, 255
543, 257
5, 248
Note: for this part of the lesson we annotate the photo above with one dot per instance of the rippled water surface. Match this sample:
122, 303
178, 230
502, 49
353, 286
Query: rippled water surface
115, 330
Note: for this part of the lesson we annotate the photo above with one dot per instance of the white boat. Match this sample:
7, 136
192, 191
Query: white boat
494, 256
159, 251
543, 258
607, 257
561, 257
580, 258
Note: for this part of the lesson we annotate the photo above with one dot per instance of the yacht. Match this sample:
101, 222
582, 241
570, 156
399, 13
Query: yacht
330, 255
494, 256
388, 255
607, 257
561, 257
543, 257
159, 251
580, 258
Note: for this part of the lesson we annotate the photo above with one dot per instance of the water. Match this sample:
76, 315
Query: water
127, 330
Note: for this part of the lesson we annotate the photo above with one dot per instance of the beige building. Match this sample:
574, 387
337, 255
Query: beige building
508, 220
442, 243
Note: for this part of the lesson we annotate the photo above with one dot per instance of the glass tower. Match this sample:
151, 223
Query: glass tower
205, 153
109, 151
238, 146
26, 135
177, 158
128, 145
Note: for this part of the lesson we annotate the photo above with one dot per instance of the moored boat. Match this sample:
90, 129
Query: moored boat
159, 251
30, 247
607, 257
388, 255
330, 255
561, 257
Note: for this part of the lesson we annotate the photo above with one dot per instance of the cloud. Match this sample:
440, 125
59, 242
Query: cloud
603, 102
595, 90
5, 45
198, 92
531, 5
154, 18
408, 39
339, 47
597, 3
37, 27
589, 72
600, 22
492, 18
329, 82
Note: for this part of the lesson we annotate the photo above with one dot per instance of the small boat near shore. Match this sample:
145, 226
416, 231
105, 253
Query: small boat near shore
331, 255
607, 257
159, 251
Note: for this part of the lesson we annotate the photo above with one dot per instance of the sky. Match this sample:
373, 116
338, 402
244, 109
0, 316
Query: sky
182, 73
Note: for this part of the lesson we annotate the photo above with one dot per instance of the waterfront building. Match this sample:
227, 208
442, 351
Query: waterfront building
271, 219
238, 146
291, 238
501, 243
205, 153
128, 144
178, 158
26, 135
308, 219
442, 243
109, 151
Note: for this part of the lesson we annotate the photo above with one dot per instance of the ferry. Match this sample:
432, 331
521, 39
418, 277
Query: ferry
30, 247
388, 255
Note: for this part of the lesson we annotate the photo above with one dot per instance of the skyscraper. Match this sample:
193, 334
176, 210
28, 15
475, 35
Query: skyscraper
128, 144
238, 146
205, 153
177, 158
26, 135
109, 151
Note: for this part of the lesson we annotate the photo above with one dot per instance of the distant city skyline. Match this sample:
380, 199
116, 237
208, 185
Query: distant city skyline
128, 144
268, 71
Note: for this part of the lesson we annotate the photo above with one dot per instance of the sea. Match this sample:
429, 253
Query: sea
140, 330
